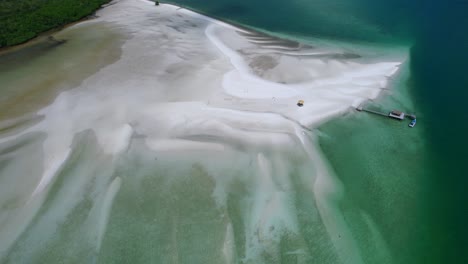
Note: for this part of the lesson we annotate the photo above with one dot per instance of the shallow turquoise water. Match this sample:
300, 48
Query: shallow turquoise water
404, 195
412, 181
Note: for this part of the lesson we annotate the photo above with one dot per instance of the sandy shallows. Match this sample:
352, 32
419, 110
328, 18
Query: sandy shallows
188, 125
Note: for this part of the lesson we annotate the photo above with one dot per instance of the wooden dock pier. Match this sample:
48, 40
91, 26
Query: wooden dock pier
393, 114
371, 111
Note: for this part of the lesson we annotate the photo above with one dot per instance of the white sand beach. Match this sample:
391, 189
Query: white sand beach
192, 89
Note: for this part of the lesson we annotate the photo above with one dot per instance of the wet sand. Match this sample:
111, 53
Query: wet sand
160, 124
33, 76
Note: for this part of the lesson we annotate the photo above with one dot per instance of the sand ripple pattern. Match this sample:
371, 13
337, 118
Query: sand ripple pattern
188, 149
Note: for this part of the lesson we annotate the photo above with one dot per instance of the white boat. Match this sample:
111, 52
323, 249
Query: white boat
412, 123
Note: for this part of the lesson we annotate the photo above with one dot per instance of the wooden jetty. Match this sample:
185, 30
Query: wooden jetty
395, 114
371, 111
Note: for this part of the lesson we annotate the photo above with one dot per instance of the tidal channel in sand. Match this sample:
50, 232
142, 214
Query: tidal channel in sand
163, 135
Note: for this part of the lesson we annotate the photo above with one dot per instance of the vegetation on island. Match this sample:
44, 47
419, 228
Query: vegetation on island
22, 20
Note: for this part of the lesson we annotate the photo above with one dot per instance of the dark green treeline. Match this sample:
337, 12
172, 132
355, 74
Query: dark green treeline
22, 20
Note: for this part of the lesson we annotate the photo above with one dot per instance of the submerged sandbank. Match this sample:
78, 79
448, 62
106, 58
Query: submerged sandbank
198, 94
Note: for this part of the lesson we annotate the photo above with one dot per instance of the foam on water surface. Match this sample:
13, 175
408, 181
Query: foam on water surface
200, 95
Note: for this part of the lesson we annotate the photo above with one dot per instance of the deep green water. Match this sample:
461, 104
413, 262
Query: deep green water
412, 182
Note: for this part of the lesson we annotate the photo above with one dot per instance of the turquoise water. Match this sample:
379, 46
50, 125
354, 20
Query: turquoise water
252, 202
411, 181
